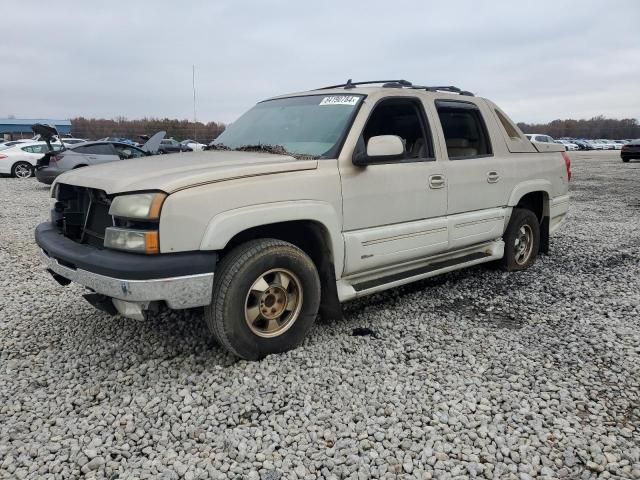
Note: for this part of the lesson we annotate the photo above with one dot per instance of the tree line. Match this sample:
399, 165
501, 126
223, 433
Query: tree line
596, 127
95, 128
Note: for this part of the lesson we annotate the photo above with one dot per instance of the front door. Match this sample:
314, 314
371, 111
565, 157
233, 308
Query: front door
394, 209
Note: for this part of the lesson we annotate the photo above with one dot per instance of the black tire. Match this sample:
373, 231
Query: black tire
234, 279
523, 223
20, 167
625, 160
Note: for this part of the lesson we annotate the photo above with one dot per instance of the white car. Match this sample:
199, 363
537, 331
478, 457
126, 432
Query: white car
193, 145
568, 144
606, 144
538, 137
11, 143
65, 140
19, 160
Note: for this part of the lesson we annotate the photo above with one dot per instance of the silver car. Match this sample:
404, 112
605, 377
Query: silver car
91, 153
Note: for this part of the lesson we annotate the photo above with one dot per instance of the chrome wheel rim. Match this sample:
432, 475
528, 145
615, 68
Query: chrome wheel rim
23, 171
523, 245
273, 303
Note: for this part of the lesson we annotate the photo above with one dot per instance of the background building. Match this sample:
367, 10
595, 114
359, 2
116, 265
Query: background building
12, 128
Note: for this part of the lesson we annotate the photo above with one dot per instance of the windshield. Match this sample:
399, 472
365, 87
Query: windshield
311, 125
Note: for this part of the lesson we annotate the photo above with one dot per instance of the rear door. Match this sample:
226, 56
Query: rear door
480, 175
394, 209
97, 153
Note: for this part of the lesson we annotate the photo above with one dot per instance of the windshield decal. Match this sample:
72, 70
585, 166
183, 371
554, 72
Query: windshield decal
340, 100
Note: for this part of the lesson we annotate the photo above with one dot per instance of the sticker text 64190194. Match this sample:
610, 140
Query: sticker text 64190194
340, 100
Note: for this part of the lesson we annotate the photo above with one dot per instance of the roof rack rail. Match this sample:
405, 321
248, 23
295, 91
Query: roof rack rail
399, 84
350, 84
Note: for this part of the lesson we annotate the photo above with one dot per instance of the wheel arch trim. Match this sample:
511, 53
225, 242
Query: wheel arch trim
226, 225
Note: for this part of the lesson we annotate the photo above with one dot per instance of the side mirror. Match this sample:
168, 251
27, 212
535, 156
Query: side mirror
385, 146
379, 148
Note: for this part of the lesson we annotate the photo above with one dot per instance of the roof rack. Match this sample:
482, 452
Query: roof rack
399, 84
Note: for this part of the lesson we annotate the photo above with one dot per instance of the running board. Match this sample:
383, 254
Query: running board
349, 290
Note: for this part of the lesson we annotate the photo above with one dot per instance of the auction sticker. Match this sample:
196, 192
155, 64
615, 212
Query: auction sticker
340, 100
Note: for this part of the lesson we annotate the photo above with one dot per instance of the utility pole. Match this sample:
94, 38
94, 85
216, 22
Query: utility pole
193, 78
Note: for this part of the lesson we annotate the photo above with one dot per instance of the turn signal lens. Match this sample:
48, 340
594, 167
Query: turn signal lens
152, 245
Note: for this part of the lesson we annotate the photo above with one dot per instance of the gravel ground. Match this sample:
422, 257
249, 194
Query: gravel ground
476, 373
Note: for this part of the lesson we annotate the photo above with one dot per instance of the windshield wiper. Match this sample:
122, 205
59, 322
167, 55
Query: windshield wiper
276, 150
273, 149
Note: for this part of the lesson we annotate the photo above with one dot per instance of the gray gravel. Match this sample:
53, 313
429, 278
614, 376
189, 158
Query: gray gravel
473, 374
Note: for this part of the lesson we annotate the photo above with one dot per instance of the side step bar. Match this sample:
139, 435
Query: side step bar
417, 272
349, 289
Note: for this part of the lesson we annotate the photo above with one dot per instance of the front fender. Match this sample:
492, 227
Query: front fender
224, 226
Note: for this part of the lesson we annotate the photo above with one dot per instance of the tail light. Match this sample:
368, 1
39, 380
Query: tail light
567, 164
2, 157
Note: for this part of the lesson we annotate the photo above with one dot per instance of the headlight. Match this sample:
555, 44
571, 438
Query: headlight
142, 206
139, 241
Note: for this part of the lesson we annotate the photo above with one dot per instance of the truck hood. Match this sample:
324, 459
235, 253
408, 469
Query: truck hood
173, 172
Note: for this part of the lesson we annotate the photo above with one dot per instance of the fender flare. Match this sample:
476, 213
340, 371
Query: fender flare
521, 189
226, 225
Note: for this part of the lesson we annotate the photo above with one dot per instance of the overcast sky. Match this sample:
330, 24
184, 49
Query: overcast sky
538, 60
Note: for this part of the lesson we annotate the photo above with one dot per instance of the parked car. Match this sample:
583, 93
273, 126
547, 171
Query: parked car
66, 140
536, 137
569, 145
594, 145
87, 154
630, 151
606, 144
169, 145
11, 143
19, 159
582, 145
193, 145
311, 199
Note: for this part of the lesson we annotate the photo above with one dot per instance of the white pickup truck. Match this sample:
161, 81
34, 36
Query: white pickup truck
306, 201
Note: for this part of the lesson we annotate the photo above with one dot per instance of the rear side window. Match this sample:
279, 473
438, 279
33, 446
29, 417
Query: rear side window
99, 149
464, 129
36, 149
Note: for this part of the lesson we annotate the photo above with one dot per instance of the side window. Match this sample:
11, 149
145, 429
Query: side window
464, 129
402, 117
98, 149
127, 151
27, 149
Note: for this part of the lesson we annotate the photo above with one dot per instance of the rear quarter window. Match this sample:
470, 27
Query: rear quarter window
464, 129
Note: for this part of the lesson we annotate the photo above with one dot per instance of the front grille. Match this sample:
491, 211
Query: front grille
82, 214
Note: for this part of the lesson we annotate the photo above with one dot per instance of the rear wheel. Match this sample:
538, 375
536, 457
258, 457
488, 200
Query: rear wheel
22, 170
521, 240
266, 295
625, 160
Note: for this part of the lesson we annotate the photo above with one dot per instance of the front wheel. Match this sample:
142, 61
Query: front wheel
22, 170
266, 295
521, 240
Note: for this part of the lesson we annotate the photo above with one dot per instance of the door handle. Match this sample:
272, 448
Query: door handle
493, 177
436, 181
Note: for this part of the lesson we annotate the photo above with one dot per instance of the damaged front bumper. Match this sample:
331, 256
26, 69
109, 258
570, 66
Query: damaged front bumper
132, 282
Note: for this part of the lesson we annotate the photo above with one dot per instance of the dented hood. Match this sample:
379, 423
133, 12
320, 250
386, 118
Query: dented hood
170, 173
